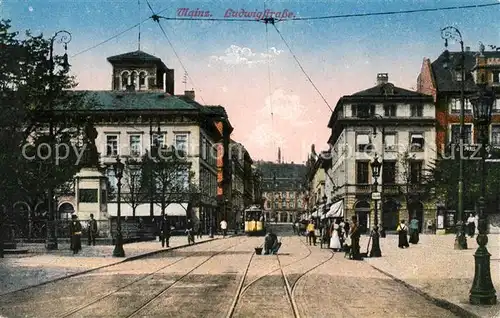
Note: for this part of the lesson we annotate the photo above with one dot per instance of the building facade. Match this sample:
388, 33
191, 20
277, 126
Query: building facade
142, 112
398, 127
283, 190
442, 78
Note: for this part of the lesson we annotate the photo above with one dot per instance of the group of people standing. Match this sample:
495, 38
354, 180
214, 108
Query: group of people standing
413, 231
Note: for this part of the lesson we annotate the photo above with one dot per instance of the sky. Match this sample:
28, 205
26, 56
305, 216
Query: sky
254, 73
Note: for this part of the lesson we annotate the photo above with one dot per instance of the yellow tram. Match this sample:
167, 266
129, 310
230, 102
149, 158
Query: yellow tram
255, 223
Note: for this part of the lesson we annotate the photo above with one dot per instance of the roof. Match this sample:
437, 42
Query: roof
115, 100
445, 78
137, 56
288, 176
386, 90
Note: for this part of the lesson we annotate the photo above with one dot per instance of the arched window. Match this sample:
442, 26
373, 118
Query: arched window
142, 80
124, 80
133, 79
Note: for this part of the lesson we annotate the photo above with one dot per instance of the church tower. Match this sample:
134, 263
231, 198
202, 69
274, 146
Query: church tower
279, 155
140, 71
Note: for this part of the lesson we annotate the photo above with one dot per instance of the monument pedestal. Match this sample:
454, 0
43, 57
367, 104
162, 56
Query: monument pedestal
91, 198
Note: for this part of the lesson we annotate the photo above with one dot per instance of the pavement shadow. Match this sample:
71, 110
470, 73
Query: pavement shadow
179, 253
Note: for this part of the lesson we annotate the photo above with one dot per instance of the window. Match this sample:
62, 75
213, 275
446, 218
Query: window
388, 172
416, 142
415, 172
362, 172
112, 180
159, 139
417, 110
496, 77
390, 110
496, 106
133, 78
455, 105
204, 149
181, 143
88, 195
390, 142
111, 145
455, 134
363, 142
183, 178
124, 80
363, 111
458, 75
495, 135
135, 145
142, 80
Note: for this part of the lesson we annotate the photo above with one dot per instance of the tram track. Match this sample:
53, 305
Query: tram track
289, 287
142, 278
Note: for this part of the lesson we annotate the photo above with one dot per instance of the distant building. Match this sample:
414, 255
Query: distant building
283, 190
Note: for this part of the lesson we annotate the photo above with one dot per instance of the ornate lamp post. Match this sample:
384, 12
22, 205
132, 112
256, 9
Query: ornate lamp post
452, 33
482, 291
375, 251
61, 37
118, 250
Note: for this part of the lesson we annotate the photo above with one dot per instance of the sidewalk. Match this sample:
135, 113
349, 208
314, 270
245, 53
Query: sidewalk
40, 266
435, 268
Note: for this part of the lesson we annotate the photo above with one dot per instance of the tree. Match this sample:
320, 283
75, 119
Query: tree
33, 91
136, 183
173, 179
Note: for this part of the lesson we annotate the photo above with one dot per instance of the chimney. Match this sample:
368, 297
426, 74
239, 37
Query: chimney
382, 78
189, 94
467, 49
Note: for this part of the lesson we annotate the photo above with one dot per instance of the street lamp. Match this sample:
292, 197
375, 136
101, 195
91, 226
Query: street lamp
375, 251
482, 291
118, 250
62, 37
452, 33
382, 128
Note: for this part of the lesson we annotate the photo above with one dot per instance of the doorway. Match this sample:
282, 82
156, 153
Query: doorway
362, 210
390, 215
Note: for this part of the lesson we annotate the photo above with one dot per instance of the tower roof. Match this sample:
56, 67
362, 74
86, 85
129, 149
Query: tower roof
137, 56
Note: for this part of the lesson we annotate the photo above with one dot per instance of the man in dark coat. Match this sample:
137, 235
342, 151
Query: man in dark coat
165, 231
92, 230
190, 231
75, 228
355, 234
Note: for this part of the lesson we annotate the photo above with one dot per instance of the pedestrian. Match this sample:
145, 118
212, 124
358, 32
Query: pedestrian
403, 235
75, 229
165, 231
355, 234
92, 230
346, 228
471, 226
414, 231
199, 232
190, 231
223, 227
311, 235
429, 226
335, 243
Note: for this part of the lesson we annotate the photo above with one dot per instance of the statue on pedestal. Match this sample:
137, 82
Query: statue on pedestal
91, 155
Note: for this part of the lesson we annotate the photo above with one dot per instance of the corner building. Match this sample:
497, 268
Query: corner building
397, 125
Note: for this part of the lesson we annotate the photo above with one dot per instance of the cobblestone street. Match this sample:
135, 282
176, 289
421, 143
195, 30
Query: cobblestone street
224, 278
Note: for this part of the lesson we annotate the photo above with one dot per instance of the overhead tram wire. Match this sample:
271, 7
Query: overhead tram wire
156, 18
299, 64
369, 14
354, 15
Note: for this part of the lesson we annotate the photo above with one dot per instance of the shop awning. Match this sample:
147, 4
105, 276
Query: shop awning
336, 210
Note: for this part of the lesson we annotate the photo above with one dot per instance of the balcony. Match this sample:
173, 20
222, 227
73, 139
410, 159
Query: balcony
391, 189
364, 188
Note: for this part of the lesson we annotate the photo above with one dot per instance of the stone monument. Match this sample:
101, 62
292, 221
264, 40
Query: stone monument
91, 186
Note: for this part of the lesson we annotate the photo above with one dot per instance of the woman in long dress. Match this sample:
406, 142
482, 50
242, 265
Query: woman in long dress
403, 235
75, 228
335, 240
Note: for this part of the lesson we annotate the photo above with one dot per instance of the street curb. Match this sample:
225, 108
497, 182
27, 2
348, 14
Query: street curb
128, 259
445, 304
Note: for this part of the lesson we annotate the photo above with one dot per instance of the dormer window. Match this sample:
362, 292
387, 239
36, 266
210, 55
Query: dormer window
458, 75
363, 110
